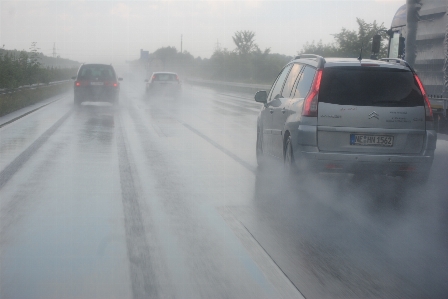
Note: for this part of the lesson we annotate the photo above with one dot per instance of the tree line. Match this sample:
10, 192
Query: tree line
18, 68
248, 63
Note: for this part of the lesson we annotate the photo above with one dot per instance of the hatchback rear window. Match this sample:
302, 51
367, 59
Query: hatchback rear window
369, 86
165, 77
92, 72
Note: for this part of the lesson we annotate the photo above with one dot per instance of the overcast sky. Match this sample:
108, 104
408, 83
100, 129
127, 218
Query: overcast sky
115, 31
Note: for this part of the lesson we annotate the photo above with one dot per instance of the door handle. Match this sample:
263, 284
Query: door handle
271, 110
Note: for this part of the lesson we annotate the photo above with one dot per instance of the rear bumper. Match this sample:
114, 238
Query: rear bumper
307, 152
367, 163
163, 88
105, 95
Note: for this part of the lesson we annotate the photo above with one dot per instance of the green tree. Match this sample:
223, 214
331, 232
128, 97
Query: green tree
348, 43
19, 68
325, 50
245, 42
167, 55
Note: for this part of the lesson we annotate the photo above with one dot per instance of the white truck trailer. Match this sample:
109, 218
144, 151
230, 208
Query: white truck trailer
419, 35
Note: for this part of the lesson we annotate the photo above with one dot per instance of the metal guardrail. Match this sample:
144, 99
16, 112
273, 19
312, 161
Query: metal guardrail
32, 86
231, 84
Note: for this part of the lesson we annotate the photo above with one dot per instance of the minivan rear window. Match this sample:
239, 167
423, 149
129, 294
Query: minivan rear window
369, 86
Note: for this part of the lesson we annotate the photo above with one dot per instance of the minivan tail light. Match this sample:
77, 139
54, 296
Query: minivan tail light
428, 111
311, 101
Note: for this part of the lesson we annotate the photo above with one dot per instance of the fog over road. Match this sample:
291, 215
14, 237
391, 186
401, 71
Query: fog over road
162, 198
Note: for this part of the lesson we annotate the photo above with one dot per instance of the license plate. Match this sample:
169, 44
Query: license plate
380, 140
97, 83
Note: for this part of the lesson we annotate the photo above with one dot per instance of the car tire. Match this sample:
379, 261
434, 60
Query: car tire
289, 162
77, 102
259, 150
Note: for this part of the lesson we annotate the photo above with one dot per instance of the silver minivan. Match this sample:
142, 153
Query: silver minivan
347, 115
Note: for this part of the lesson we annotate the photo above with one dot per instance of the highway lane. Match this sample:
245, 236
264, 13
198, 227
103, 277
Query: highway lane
160, 197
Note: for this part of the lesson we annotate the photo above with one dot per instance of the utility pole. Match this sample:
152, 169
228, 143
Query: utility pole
54, 50
181, 62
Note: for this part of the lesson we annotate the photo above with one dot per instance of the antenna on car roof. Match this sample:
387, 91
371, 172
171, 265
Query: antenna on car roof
360, 54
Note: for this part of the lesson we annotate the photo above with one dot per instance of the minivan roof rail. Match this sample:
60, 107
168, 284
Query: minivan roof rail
320, 60
398, 60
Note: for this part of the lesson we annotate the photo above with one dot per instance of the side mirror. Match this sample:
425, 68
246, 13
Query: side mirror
261, 96
120, 79
74, 78
376, 43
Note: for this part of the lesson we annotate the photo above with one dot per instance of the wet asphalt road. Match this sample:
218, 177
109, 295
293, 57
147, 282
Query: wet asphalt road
162, 198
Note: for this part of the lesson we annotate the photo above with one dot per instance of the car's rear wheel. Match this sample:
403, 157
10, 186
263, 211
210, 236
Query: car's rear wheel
289, 163
259, 150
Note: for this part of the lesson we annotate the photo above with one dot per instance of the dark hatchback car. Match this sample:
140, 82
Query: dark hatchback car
346, 115
96, 83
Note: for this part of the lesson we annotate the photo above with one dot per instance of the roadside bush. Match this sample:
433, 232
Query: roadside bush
20, 68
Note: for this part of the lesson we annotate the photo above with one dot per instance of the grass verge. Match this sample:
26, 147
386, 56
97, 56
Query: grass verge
11, 102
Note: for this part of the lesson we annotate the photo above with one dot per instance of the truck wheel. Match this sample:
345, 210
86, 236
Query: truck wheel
443, 125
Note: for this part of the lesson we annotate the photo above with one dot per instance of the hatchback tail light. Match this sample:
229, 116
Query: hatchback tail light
77, 83
428, 111
311, 101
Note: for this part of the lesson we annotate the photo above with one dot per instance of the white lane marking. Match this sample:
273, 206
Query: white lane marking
268, 266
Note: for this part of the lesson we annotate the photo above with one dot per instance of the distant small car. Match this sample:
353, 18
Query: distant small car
164, 83
346, 115
96, 83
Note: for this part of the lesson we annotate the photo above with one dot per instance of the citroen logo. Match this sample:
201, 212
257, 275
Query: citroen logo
374, 115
